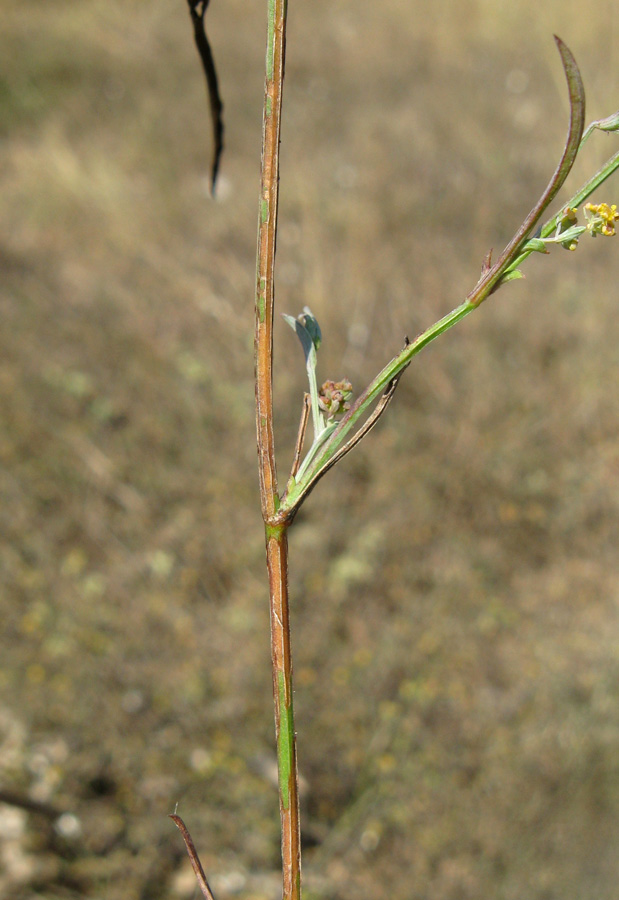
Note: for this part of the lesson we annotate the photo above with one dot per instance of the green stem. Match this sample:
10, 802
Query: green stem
313, 450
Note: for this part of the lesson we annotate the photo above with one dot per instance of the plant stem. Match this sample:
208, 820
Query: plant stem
288, 782
276, 526
265, 264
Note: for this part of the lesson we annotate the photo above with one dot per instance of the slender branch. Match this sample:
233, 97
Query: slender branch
275, 526
298, 450
194, 858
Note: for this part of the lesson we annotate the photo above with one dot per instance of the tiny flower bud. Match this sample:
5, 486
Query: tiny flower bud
569, 217
566, 221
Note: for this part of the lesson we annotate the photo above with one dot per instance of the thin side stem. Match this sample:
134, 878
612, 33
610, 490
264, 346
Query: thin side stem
298, 450
275, 525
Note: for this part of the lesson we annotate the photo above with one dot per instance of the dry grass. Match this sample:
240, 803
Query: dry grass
455, 583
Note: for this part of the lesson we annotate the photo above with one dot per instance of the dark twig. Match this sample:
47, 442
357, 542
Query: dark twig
197, 10
194, 858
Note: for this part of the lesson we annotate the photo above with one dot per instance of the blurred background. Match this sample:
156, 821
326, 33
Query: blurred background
455, 582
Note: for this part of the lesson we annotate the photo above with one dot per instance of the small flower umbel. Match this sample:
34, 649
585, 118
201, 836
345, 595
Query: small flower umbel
601, 218
334, 396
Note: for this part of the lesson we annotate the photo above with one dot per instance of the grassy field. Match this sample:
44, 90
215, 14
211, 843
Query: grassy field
455, 582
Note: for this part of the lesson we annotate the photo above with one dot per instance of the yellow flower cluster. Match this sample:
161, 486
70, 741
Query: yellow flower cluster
601, 218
